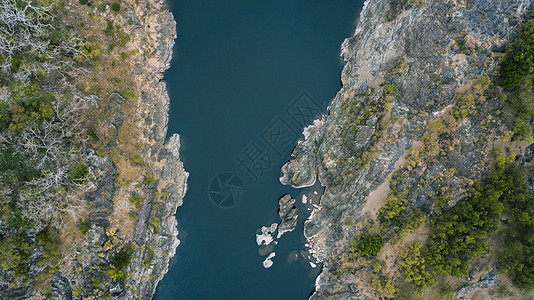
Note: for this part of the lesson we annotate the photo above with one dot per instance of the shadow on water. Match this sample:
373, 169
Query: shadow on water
246, 77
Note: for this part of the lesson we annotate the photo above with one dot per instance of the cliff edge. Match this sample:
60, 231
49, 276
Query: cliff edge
413, 127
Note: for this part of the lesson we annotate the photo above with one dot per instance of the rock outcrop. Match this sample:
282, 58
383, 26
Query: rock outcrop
288, 213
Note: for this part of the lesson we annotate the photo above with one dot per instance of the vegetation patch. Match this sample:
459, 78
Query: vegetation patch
413, 267
367, 245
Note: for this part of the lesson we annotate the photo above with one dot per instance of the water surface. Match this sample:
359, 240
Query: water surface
238, 69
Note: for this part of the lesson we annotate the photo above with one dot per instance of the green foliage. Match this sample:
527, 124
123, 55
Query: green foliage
115, 6
503, 292
15, 249
415, 3
5, 116
122, 259
84, 227
136, 158
396, 218
518, 111
149, 257
390, 89
517, 257
461, 232
78, 172
394, 206
149, 178
136, 200
382, 283
132, 215
445, 291
466, 101
47, 236
14, 167
90, 50
31, 104
96, 281
116, 274
368, 245
124, 39
518, 64
11, 213
413, 267
109, 28
155, 223
516, 74
502, 160
102, 7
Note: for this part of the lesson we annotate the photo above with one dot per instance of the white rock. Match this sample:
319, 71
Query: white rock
267, 263
304, 199
265, 237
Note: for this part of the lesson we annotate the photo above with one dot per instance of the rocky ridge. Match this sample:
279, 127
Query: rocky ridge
405, 66
154, 237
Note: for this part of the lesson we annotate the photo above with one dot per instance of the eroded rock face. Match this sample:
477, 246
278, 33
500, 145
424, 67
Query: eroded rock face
288, 213
154, 238
158, 246
417, 58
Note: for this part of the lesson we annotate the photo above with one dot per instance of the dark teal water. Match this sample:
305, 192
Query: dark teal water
238, 69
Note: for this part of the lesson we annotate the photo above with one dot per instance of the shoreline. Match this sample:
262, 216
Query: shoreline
382, 52
161, 154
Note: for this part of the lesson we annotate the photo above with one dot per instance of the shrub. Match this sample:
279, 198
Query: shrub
413, 267
15, 250
517, 256
132, 216
519, 59
14, 167
122, 259
78, 172
5, 116
149, 257
368, 245
109, 28
84, 227
102, 7
445, 291
461, 232
47, 236
115, 6
156, 224
150, 178
136, 158
136, 200
390, 89
31, 104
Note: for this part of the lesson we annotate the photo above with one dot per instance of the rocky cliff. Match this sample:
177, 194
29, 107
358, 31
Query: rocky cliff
397, 125
89, 185
153, 31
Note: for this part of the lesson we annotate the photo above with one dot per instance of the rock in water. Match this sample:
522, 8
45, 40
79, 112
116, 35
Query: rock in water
265, 238
288, 213
267, 263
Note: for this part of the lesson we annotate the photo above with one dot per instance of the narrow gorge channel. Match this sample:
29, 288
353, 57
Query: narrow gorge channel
246, 77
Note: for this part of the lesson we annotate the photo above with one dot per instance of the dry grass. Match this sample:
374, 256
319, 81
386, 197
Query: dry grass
111, 73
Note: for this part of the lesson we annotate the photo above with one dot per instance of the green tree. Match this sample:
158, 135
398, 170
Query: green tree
414, 270
368, 245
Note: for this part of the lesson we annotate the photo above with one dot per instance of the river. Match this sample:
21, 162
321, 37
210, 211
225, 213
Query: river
246, 77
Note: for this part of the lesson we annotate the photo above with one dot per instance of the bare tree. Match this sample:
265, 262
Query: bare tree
25, 29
